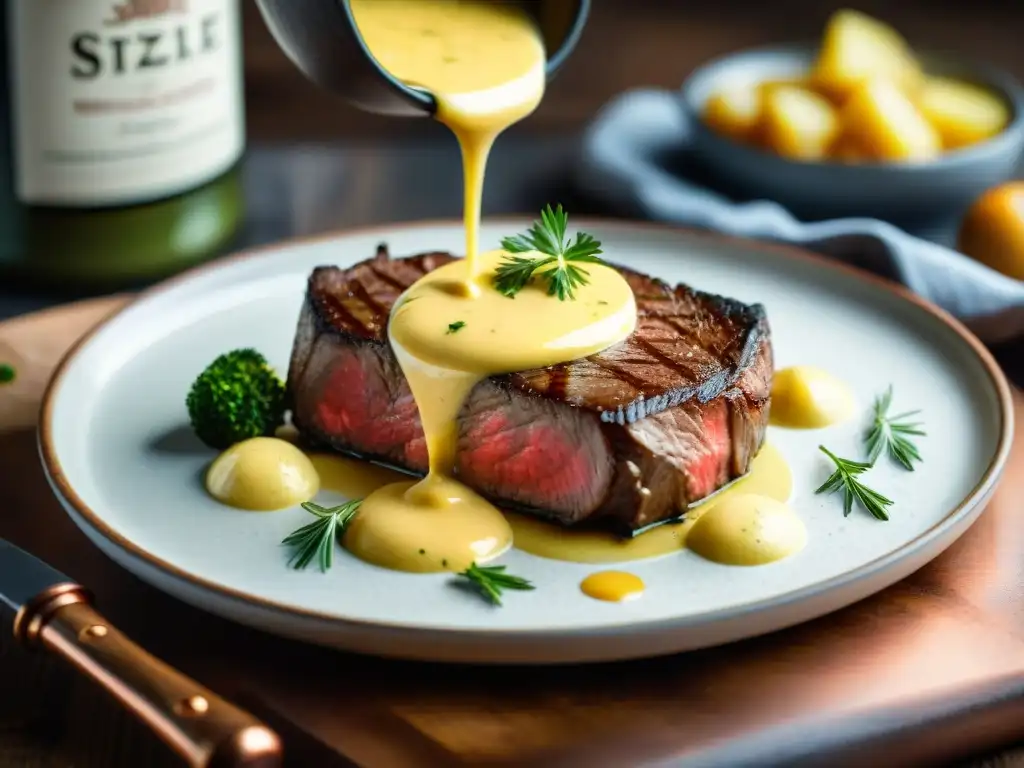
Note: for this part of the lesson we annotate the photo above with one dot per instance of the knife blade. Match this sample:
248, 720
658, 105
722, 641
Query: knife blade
53, 613
23, 576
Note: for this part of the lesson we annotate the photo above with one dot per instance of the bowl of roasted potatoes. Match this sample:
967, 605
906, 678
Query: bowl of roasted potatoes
858, 125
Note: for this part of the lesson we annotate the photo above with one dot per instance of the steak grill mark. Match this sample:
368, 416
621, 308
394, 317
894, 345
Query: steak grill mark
621, 439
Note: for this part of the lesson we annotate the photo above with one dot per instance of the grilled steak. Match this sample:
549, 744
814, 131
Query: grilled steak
624, 438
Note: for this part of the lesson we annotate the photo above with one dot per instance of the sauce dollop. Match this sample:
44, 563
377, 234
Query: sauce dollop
805, 397
747, 529
501, 334
612, 586
262, 474
432, 525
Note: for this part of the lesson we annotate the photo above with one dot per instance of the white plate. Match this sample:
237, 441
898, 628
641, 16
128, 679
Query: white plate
115, 447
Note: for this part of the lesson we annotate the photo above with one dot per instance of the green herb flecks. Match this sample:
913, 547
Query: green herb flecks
316, 540
491, 580
892, 434
7, 373
455, 327
845, 479
550, 258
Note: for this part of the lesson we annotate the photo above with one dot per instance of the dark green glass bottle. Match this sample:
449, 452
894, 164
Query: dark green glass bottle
120, 139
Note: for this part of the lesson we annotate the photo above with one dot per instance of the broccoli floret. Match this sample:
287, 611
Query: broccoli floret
238, 396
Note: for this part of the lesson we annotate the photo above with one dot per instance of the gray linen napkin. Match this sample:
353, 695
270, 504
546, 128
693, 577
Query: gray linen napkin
623, 162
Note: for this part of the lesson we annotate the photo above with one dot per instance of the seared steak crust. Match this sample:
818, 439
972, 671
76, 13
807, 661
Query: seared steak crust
624, 438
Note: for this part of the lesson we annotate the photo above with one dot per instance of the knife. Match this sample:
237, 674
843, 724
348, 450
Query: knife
53, 613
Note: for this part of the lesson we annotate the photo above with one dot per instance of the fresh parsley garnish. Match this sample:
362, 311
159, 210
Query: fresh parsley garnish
490, 580
892, 434
554, 259
7, 373
316, 540
457, 326
845, 478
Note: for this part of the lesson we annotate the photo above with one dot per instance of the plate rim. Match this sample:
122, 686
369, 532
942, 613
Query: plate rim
978, 494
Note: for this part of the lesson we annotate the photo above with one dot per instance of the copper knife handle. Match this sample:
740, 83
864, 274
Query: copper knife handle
204, 729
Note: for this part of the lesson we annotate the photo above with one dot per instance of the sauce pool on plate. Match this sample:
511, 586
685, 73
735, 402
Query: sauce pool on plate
769, 476
448, 526
352, 478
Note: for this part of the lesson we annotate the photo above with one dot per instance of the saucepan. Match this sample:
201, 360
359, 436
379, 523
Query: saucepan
322, 40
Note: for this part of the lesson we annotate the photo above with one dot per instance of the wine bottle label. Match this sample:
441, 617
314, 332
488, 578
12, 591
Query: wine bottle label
122, 101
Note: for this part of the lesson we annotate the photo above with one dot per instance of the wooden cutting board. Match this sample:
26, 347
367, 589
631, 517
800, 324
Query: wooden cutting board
945, 645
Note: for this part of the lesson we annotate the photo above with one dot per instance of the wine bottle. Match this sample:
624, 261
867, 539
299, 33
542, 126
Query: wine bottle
121, 133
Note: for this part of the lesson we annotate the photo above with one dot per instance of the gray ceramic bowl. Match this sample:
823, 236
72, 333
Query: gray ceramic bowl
900, 193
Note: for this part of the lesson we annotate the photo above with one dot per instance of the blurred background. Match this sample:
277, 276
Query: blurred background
631, 43
314, 163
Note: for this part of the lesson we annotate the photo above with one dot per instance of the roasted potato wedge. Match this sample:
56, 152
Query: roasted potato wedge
880, 118
857, 48
798, 123
962, 113
734, 112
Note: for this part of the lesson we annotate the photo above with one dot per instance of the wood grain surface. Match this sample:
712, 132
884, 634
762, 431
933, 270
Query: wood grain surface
954, 624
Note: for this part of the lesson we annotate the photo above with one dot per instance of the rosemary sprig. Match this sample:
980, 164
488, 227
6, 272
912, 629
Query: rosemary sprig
490, 580
845, 478
316, 540
892, 434
553, 258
